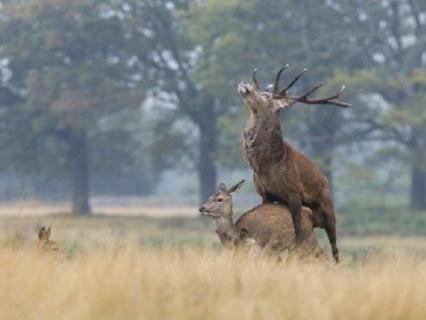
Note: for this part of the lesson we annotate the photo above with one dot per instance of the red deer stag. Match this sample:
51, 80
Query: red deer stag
281, 173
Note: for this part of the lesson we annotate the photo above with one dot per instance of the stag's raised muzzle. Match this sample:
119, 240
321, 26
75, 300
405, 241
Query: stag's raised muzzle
244, 88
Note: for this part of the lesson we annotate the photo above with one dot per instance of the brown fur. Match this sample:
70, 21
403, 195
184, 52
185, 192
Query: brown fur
271, 225
266, 226
44, 242
281, 173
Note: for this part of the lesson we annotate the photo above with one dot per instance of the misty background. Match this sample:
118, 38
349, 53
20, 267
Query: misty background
125, 101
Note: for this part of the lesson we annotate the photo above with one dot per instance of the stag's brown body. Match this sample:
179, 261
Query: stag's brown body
281, 173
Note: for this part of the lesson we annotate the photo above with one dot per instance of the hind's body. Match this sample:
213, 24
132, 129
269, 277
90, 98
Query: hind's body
271, 225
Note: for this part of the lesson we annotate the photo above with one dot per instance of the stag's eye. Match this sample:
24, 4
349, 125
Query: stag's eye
219, 200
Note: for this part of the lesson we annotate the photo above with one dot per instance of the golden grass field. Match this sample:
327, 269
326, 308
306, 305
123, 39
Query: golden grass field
174, 268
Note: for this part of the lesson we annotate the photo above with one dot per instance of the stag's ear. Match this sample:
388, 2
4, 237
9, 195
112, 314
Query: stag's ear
222, 187
48, 232
280, 104
236, 187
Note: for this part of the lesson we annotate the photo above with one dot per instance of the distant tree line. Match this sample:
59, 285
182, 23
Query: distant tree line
131, 88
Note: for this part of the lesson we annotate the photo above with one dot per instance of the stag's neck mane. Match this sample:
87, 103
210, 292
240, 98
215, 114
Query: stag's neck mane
262, 141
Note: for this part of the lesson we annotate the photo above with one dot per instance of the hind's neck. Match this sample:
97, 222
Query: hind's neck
227, 231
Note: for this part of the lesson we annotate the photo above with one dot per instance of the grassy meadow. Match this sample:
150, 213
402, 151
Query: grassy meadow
174, 268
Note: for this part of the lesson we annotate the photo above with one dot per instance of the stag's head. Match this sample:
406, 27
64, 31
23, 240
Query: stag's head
220, 204
274, 99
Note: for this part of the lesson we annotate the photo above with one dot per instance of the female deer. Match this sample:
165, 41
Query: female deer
267, 225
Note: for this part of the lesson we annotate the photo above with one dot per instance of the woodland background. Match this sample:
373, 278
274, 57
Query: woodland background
125, 99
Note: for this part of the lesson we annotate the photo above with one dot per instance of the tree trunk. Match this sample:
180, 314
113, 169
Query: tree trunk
79, 170
417, 147
418, 189
207, 174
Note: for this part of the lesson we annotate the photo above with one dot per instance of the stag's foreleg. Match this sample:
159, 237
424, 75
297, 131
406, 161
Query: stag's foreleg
266, 197
295, 207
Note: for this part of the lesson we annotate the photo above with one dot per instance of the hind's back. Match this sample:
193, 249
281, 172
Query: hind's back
272, 224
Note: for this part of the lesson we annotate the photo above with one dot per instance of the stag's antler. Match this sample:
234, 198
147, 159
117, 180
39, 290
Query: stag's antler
304, 98
254, 78
285, 90
334, 99
277, 78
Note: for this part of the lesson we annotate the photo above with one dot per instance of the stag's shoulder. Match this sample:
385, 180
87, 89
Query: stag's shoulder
303, 163
296, 155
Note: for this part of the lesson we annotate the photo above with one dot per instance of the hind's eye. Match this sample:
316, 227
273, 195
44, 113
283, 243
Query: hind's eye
219, 200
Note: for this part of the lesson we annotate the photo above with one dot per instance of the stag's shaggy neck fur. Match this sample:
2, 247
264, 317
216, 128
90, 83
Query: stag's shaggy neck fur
262, 141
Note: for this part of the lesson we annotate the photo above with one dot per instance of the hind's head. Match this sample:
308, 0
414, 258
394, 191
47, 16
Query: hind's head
44, 241
44, 234
220, 203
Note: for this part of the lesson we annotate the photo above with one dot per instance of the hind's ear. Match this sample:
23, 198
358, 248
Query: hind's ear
48, 232
236, 187
42, 233
222, 187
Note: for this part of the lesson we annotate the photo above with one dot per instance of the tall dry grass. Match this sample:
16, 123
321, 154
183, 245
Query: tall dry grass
143, 283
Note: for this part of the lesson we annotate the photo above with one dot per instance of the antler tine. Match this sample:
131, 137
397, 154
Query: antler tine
277, 78
333, 100
284, 91
310, 91
254, 78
